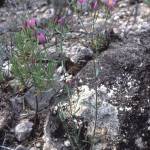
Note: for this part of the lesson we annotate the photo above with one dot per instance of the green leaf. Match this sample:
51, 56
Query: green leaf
147, 2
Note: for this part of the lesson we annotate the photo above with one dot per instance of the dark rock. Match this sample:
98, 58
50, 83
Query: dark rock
124, 70
6, 112
53, 129
2, 3
135, 1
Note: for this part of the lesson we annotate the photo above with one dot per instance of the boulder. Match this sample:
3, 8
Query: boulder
107, 123
123, 89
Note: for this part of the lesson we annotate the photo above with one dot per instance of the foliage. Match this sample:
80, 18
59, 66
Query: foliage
1, 76
27, 63
147, 2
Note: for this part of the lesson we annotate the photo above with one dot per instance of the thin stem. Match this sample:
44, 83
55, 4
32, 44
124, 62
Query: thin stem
96, 102
36, 109
69, 96
96, 107
82, 24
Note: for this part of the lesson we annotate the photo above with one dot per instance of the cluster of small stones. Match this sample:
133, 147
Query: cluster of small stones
130, 19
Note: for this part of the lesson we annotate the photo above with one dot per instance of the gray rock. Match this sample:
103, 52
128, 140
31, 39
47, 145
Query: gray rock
124, 87
23, 130
107, 114
43, 97
17, 104
79, 54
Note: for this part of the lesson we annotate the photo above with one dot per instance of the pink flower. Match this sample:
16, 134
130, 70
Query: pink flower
110, 3
41, 37
94, 5
31, 23
81, 1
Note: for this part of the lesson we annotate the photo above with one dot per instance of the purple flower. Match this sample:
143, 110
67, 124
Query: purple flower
31, 23
81, 1
110, 3
41, 37
94, 4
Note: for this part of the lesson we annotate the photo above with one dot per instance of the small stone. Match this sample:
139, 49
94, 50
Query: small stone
23, 130
33, 148
38, 145
15, 84
6, 69
139, 143
123, 5
67, 143
60, 70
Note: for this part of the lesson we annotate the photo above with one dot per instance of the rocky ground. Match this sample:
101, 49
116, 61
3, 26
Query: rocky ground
121, 86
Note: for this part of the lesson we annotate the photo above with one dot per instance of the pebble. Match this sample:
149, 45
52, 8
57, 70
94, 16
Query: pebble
38, 145
33, 148
67, 143
23, 130
116, 18
122, 5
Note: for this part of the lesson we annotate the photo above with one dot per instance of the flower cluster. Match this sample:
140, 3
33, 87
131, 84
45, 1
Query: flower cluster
94, 4
32, 24
41, 37
110, 3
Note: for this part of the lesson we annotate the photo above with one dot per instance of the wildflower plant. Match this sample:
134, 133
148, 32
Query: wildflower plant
27, 63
